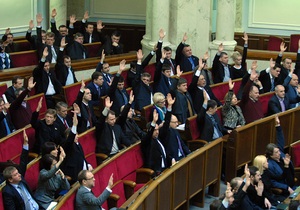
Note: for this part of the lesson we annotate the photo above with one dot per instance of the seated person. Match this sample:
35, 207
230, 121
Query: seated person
159, 104
75, 49
32, 39
90, 33
96, 88
270, 77
221, 70
232, 114
64, 71
6, 126
51, 179
103, 67
112, 45
63, 120
8, 37
239, 69
5, 60
10, 93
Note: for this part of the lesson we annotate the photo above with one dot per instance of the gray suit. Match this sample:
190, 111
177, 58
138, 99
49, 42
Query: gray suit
86, 200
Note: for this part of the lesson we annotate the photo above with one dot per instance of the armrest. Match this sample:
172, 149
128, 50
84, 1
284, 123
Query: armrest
33, 155
276, 191
112, 200
143, 175
196, 144
129, 188
102, 156
68, 178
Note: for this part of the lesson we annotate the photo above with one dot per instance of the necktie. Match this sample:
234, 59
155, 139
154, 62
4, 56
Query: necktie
170, 83
90, 116
66, 124
125, 98
90, 39
282, 104
54, 56
272, 84
99, 91
24, 197
107, 78
115, 147
172, 66
8, 131
180, 146
192, 62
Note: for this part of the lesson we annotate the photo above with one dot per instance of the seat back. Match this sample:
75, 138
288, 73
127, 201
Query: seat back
32, 173
146, 115
192, 131
93, 49
68, 200
150, 68
23, 45
33, 103
220, 90
188, 76
295, 153
11, 147
24, 58
3, 87
88, 143
274, 43
70, 91
294, 38
264, 99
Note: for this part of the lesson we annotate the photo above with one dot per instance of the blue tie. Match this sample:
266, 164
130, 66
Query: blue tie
192, 62
6, 126
272, 85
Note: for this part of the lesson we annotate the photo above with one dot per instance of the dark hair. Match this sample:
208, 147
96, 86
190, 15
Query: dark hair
62, 26
44, 31
211, 104
277, 66
60, 104
133, 64
270, 149
121, 79
15, 78
78, 35
96, 74
116, 33
82, 175
222, 54
66, 57
47, 147
215, 205
88, 23
146, 74
46, 161
166, 67
110, 112
7, 172
50, 34
252, 170
51, 111
181, 81
167, 48
294, 204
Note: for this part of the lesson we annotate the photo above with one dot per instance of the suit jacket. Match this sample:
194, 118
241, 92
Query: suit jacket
265, 80
274, 105
291, 92
206, 125
13, 47
49, 182
183, 61
283, 71
3, 131
61, 124
109, 49
32, 39
77, 51
10, 94
239, 73
84, 114
105, 137
20, 115
86, 200
41, 46
41, 77
218, 70
197, 94
161, 83
105, 86
170, 62
58, 37
96, 36
95, 95
62, 70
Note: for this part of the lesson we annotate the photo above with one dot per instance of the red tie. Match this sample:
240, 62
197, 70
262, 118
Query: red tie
66, 124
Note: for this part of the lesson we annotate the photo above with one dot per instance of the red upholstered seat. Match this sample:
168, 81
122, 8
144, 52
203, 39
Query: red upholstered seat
150, 69
274, 43
188, 76
124, 75
191, 126
32, 173
93, 49
220, 90
24, 58
3, 88
264, 99
71, 91
11, 147
237, 85
295, 153
23, 45
33, 102
31, 136
68, 200
88, 143
294, 38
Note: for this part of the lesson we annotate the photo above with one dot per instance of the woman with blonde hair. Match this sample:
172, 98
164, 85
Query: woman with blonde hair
159, 101
239, 67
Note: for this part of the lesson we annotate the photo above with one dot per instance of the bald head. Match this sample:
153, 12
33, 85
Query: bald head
174, 122
254, 93
279, 91
294, 80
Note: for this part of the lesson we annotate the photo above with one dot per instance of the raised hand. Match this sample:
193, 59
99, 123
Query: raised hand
122, 65
201, 64
178, 71
170, 100
7, 31
40, 105
115, 44
131, 97
231, 84
184, 38
139, 55
63, 43
254, 65
162, 34
76, 108
299, 44
287, 160
100, 25
39, 19
155, 116
45, 52
102, 56
110, 181
86, 15
73, 19
25, 137
221, 47
282, 47
53, 13
82, 85
228, 192
30, 83
259, 188
206, 55
272, 63
59, 172
163, 54
31, 24
75, 120
277, 121
108, 103
245, 38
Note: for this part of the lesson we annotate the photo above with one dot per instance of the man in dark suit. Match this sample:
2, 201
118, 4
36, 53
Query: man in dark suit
86, 119
49, 42
269, 77
85, 198
96, 88
63, 31
10, 93
91, 34
6, 126
291, 88
110, 136
32, 39
221, 71
8, 37
112, 44
183, 106
17, 194
75, 49
63, 120
103, 67
208, 121
196, 89
46, 81
184, 56
64, 71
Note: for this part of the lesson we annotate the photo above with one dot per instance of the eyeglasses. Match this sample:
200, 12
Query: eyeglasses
90, 178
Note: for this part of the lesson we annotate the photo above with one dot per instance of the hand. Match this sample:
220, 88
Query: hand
53, 13
292, 69
100, 25
90, 167
86, 15
228, 192
115, 44
231, 84
253, 75
298, 44
291, 191
184, 38
122, 65
170, 100
173, 162
247, 176
73, 19
75, 120
63, 43
155, 116
39, 19
229, 131
62, 154
268, 205
82, 85
7, 31
272, 64
201, 64
259, 188
178, 71
277, 121
163, 54
245, 38
30, 84
76, 108
6, 107
40, 105
246, 170
110, 181
258, 83
162, 34
205, 97
108, 103
206, 55
282, 47
102, 56
131, 97
31, 24
139, 55
25, 137
45, 52
287, 160
221, 48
